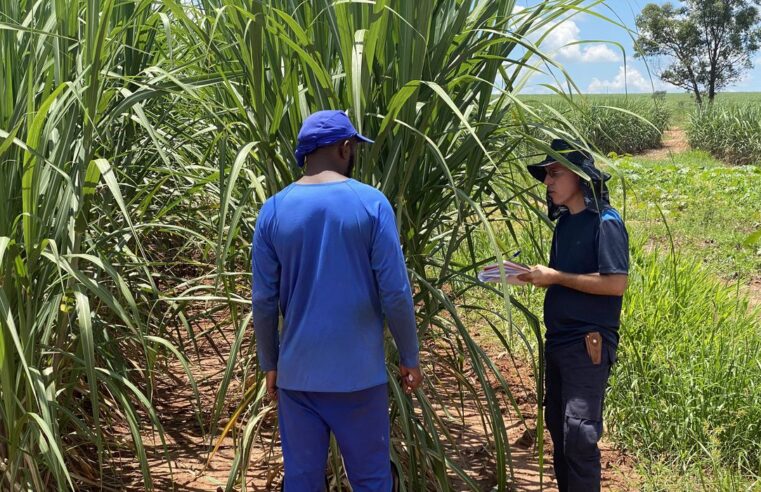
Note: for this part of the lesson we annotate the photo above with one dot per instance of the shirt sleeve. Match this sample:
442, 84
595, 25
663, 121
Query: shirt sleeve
393, 283
613, 245
265, 290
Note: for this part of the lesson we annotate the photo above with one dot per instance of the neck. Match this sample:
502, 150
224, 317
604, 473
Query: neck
576, 203
317, 165
321, 176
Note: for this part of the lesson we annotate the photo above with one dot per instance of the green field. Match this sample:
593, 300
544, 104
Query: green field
685, 390
679, 104
709, 209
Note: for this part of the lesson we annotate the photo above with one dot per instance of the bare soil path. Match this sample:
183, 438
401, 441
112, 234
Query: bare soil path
674, 141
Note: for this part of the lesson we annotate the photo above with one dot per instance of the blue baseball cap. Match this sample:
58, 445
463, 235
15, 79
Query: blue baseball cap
324, 128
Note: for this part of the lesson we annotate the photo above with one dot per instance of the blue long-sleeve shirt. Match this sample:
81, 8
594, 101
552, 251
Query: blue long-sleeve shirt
327, 256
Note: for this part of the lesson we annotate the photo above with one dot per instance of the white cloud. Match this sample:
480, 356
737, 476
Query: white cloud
599, 53
560, 41
559, 35
630, 79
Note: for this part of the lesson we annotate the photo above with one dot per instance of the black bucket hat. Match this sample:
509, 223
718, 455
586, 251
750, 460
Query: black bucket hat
596, 196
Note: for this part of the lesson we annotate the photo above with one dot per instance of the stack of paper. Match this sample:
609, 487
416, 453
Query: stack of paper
490, 273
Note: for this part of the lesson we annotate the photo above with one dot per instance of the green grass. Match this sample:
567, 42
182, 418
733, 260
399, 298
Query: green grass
686, 389
608, 124
684, 397
623, 125
710, 208
658, 476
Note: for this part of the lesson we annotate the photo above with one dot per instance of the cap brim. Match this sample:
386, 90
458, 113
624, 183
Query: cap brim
538, 170
363, 138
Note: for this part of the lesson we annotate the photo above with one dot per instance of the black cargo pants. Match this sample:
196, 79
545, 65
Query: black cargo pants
574, 392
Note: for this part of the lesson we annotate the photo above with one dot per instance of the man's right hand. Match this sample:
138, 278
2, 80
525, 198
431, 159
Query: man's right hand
271, 379
411, 378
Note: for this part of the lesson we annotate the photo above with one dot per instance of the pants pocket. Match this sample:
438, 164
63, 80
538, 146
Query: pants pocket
581, 437
583, 425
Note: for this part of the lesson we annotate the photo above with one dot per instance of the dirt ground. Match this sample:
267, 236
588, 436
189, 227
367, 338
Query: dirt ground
674, 141
188, 449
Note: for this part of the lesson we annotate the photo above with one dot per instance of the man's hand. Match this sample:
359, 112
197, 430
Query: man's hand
540, 276
271, 378
411, 378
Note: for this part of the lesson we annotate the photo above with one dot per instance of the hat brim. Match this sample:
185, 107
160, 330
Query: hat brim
363, 138
538, 170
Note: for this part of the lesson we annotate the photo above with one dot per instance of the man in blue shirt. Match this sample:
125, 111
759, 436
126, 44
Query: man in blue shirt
585, 280
326, 255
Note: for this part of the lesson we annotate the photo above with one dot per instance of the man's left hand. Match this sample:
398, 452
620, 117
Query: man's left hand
411, 378
271, 381
540, 276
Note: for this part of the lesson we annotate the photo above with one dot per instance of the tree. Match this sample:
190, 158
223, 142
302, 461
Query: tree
711, 42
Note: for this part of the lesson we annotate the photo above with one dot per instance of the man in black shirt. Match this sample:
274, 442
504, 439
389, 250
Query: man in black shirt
585, 280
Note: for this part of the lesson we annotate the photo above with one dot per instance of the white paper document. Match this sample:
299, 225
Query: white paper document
490, 273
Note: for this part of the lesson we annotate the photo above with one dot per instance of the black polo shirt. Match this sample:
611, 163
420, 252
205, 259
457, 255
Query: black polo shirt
586, 242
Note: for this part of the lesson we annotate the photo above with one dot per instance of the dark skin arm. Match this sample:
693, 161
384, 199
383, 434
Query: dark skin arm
590, 283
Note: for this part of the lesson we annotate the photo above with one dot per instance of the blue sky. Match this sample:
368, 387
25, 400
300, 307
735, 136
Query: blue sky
599, 68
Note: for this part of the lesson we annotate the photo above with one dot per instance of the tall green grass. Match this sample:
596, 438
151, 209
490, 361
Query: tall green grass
83, 318
731, 132
685, 391
679, 104
624, 125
